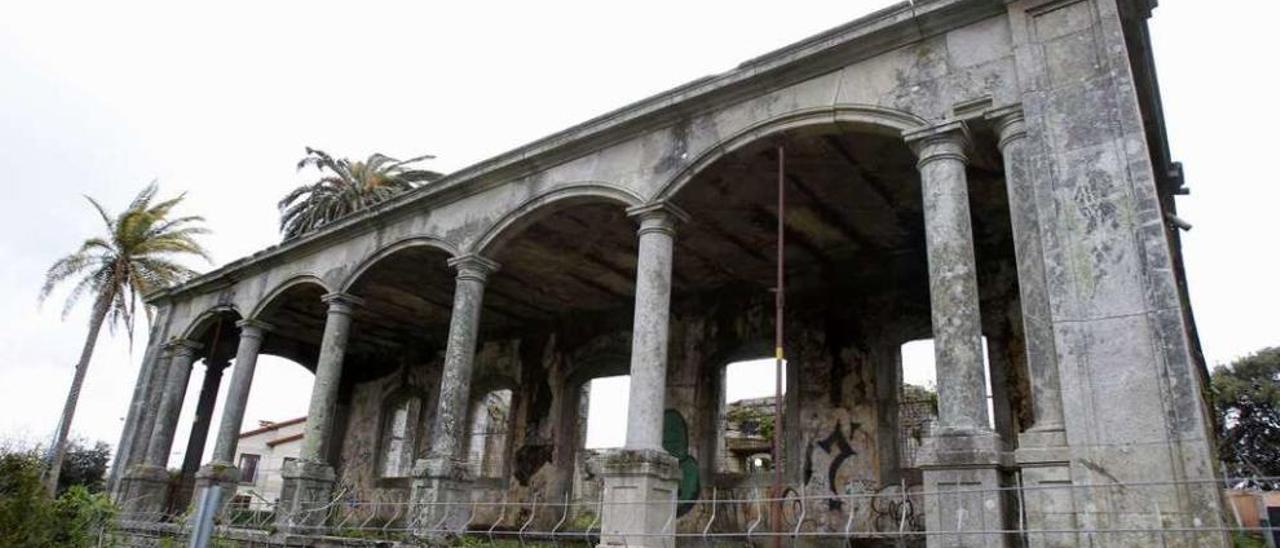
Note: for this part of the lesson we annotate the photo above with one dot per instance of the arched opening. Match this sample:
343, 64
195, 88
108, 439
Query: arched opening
392, 367
747, 412
397, 439
606, 411
407, 301
573, 256
490, 419
857, 275
271, 432
557, 315
216, 333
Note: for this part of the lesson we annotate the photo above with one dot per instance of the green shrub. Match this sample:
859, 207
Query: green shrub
30, 517
81, 516
26, 515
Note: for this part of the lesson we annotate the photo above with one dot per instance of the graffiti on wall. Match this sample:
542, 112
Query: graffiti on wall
893, 509
829, 462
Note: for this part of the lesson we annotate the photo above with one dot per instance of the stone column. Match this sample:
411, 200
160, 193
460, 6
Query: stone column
221, 469
308, 482
963, 454
146, 494
888, 378
640, 479
441, 482
1042, 356
199, 430
138, 408
146, 421
1042, 454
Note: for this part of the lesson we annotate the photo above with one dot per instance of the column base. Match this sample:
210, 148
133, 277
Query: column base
223, 474
963, 480
305, 498
441, 497
1047, 496
639, 497
144, 494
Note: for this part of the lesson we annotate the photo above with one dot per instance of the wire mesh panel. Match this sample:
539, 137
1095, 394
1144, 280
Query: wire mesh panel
886, 516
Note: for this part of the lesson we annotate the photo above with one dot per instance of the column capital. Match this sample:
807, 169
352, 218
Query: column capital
473, 266
254, 328
341, 303
948, 140
660, 216
1009, 122
250, 327
183, 347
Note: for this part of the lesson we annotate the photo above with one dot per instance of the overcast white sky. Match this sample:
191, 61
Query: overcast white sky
219, 101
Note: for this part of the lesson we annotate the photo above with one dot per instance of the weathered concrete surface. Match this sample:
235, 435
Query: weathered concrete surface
1066, 264
144, 387
324, 391
1042, 358
640, 492
953, 279
199, 432
233, 407
441, 482
455, 381
222, 470
175, 390
649, 334
308, 483
306, 501
1129, 383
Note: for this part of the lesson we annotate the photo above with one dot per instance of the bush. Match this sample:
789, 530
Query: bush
26, 517
81, 516
30, 517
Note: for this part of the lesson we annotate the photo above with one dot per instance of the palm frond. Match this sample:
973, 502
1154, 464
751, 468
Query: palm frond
415, 159
134, 257
102, 211
346, 187
90, 282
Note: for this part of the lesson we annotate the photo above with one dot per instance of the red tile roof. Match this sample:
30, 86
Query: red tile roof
274, 426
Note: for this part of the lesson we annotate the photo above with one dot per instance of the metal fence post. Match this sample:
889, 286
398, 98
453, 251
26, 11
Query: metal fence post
203, 528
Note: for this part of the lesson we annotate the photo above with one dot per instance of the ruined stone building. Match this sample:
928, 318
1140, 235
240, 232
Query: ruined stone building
955, 170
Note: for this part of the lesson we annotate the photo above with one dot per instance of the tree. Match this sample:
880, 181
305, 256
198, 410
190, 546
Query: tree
85, 466
30, 517
134, 257
346, 187
1246, 397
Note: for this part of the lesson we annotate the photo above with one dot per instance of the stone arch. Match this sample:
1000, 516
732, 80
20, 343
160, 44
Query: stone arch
198, 326
389, 250
284, 287
488, 383
870, 118
533, 209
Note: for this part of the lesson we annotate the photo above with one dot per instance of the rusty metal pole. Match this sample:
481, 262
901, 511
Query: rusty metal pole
779, 303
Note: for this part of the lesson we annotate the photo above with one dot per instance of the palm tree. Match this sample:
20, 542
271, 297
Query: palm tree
134, 257
346, 188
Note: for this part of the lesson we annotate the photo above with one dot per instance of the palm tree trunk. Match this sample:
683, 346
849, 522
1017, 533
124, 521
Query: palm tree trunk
59, 448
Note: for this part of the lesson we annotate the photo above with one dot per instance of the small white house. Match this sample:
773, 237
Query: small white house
261, 456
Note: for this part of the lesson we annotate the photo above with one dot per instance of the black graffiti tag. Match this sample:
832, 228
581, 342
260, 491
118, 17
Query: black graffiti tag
843, 451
